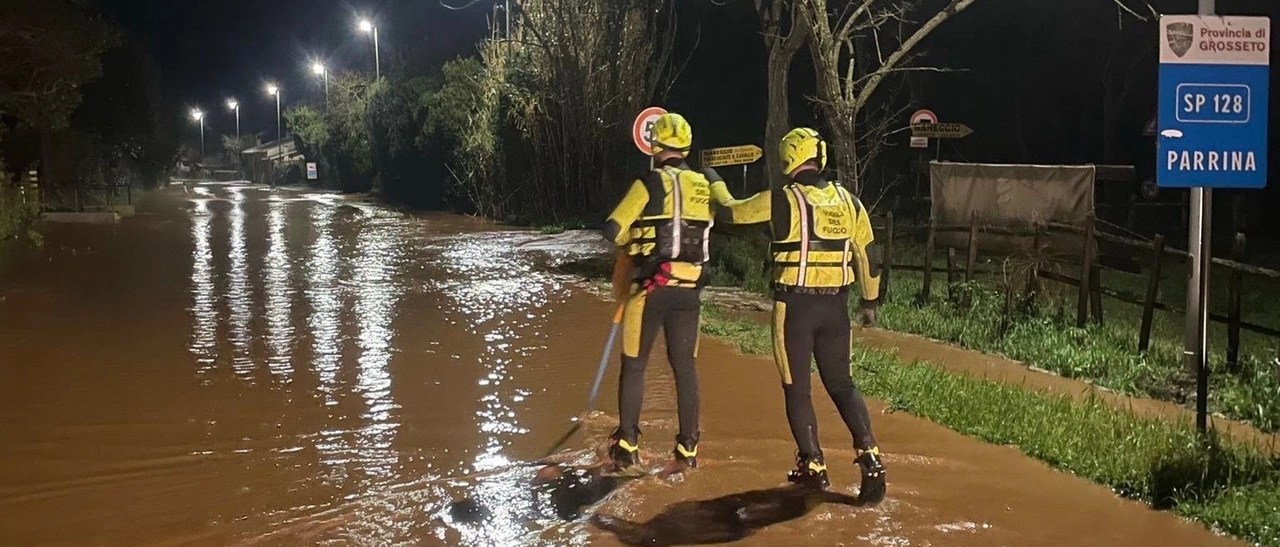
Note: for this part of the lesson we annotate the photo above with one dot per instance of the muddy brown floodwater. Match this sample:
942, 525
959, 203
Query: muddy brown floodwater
241, 366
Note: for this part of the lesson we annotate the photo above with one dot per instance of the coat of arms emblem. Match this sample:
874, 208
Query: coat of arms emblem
1180, 36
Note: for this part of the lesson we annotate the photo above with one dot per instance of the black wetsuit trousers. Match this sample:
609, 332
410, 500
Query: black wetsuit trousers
817, 326
675, 310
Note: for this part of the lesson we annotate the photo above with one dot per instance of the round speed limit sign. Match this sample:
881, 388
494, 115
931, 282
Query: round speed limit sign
642, 131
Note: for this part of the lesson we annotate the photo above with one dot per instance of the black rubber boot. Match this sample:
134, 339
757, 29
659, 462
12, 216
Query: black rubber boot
873, 477
810, 472
623, 452
685, 457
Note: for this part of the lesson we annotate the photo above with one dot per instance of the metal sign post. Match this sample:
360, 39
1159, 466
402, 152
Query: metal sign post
1214, 76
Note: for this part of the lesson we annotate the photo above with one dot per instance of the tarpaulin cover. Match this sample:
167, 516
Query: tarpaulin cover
1011, 196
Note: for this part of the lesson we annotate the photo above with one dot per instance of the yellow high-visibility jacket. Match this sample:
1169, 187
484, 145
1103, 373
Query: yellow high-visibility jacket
666, 217
821, 234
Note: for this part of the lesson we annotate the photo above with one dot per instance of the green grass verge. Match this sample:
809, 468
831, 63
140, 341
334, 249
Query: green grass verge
1233, 488
1045, 335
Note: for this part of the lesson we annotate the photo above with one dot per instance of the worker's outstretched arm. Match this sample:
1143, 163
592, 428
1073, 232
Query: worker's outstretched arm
861, 241
618, 227
752, 210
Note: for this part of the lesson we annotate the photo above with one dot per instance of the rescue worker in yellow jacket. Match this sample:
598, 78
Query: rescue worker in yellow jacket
821, 235
664, 221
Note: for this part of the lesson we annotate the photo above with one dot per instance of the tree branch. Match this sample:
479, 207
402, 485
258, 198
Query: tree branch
956, 6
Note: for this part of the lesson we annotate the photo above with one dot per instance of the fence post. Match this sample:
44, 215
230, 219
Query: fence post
951, 271
887, 266
1153, 290
1006, 319
1095, 292
1033, 273
1233, 306
928, 265
1086, 268
973, 247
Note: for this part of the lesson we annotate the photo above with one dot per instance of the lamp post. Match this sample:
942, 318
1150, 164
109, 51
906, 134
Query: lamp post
319, 69
367, 27
277, 92
234, 105
198, 116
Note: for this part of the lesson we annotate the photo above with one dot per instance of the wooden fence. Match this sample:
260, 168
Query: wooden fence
1089, 283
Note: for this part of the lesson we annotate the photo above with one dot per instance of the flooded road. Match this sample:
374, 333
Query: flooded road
237, 366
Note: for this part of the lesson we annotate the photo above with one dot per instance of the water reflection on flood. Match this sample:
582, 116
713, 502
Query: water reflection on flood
376, 295
238, 290
279, 295
486, 281
504, 284
204, 319
325, 301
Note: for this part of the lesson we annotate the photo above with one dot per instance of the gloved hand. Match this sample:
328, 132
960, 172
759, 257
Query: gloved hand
866, 315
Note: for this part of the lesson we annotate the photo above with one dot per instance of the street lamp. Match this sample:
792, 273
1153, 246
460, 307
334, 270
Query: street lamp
198, 116
367, 27
233, 105
275, 90
319, 69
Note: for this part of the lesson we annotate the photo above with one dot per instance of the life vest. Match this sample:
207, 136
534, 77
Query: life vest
676, 223
817, 249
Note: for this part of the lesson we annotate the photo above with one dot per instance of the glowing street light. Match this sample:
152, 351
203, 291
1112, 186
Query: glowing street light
198, 117
232, 104
366, 26
273, 89
319, 69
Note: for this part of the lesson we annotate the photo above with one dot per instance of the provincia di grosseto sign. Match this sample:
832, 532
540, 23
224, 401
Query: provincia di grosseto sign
1214, 79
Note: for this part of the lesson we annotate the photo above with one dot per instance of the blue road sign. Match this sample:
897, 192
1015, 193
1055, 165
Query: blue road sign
1214, 76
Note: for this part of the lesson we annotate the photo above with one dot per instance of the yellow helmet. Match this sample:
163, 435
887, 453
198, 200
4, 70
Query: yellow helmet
672, 132
801, 145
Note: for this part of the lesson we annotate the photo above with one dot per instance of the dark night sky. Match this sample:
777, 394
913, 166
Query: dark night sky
210, 50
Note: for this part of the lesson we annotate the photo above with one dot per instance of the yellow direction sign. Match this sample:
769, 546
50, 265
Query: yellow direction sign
941, 130
732, 155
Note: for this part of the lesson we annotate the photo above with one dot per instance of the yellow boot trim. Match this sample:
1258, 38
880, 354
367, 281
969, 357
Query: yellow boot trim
780, 341
687, 453
817, 467
628, 446
874, 450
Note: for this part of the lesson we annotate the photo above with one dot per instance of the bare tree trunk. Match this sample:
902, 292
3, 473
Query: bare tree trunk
778, 17
848, 77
